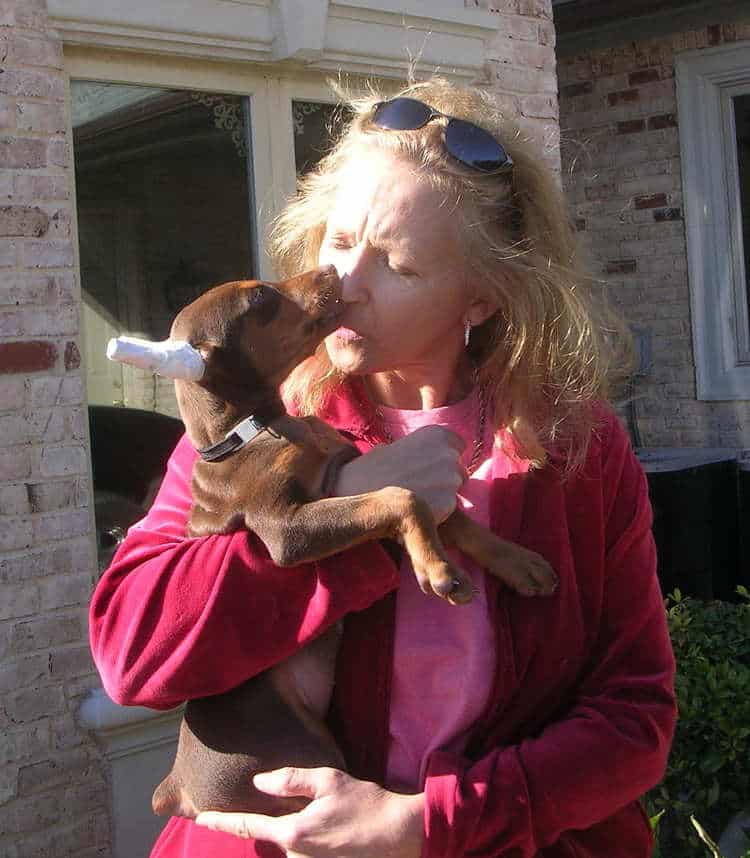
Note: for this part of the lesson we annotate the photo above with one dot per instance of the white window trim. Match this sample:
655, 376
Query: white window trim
364, 37
706, 80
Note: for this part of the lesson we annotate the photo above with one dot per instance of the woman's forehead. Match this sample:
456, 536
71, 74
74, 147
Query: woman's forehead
391, 200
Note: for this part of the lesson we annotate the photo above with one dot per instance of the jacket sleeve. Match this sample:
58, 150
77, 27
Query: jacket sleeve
174, 618
612, 745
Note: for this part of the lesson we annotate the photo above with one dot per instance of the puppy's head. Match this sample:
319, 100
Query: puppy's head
253, 333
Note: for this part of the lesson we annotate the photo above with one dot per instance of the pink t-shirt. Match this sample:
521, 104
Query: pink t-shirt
444, 655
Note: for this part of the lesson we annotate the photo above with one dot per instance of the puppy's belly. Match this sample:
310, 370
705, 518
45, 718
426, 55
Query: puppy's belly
265, 723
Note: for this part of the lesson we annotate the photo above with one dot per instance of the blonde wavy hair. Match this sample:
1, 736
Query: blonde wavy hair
552, 349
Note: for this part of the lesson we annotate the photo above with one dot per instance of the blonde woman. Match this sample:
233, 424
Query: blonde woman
470, 367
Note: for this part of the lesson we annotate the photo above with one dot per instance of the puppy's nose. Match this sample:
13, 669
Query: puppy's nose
326, 273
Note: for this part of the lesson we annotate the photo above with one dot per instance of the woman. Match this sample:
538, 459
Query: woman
470, 360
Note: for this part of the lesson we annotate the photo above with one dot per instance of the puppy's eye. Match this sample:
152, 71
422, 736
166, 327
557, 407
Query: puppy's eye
258, 296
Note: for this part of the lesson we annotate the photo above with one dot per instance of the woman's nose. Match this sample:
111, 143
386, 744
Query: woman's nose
353, 279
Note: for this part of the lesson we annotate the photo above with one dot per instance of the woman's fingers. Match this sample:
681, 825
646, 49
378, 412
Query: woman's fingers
246, 825
291, 781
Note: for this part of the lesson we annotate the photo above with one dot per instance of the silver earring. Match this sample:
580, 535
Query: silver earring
467, 332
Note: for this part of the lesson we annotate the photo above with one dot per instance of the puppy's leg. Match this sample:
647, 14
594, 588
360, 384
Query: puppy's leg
325, 527
521, 569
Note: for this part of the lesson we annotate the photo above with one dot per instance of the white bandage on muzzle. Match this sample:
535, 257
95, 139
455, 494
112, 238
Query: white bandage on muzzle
170, 358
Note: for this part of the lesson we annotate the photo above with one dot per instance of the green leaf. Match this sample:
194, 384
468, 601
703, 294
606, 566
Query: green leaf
712, 762
654, 820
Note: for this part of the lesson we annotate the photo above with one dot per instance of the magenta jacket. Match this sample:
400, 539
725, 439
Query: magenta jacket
582, 713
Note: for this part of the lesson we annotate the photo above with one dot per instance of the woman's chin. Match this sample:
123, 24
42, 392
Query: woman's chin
345, 355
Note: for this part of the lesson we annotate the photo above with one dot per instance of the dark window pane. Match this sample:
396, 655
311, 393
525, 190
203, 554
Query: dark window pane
316, 126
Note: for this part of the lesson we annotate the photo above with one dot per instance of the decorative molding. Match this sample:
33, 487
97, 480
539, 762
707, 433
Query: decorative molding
370, 37
703, 80
299, 28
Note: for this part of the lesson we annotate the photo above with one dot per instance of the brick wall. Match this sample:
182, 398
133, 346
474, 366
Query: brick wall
53, 796
521, 68
621, 168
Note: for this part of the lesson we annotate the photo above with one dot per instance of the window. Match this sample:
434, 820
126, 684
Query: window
162, 197
713, 88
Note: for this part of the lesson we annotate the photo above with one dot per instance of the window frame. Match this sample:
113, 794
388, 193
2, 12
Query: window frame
706, 80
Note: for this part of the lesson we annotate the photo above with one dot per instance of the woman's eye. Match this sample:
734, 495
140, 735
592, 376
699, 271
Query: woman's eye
396, 268
404, 272
340, 243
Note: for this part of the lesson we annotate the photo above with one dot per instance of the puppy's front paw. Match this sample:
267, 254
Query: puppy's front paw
524, 571
447, 581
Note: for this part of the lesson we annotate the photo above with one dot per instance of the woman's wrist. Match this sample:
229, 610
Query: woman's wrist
409, 823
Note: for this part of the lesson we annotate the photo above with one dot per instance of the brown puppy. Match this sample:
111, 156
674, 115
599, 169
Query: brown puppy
250, 335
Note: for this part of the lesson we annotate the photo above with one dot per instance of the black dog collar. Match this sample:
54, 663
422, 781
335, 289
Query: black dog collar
234, 440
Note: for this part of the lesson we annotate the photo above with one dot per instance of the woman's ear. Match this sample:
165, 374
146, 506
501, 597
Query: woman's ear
479, 310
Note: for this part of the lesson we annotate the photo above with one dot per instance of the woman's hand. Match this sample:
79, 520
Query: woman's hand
347, 818
427, 462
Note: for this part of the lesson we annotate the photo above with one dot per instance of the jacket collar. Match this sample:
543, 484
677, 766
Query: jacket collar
349, 409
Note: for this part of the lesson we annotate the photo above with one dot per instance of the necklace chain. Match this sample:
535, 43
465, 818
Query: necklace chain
481, 421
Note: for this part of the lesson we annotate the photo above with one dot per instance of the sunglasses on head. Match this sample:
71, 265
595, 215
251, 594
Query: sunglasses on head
464, 141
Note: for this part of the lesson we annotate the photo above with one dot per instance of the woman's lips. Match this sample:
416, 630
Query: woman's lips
346, 335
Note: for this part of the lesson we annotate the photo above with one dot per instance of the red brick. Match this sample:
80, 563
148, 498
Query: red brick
621, 266
23, 221
70, 767
71, 662
31, 704
665, 120
23, 153
602, 191
35, 51
72, 356
650, 201
45, 633
631, 126
32, 356
643, 76
573, 89
32, 84
625, 96
17, 289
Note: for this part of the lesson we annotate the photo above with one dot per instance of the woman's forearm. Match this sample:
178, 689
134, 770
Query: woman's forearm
176, 618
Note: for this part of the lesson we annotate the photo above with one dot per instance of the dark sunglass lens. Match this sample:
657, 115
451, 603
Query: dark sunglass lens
401, 114
474, 146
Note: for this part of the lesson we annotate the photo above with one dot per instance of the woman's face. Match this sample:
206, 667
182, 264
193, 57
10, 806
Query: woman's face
394, 243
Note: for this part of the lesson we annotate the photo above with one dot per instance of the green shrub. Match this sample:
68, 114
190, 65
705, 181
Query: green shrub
709, 769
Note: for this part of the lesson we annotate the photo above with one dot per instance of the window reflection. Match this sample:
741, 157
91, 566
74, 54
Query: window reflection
162, 194
316, 127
